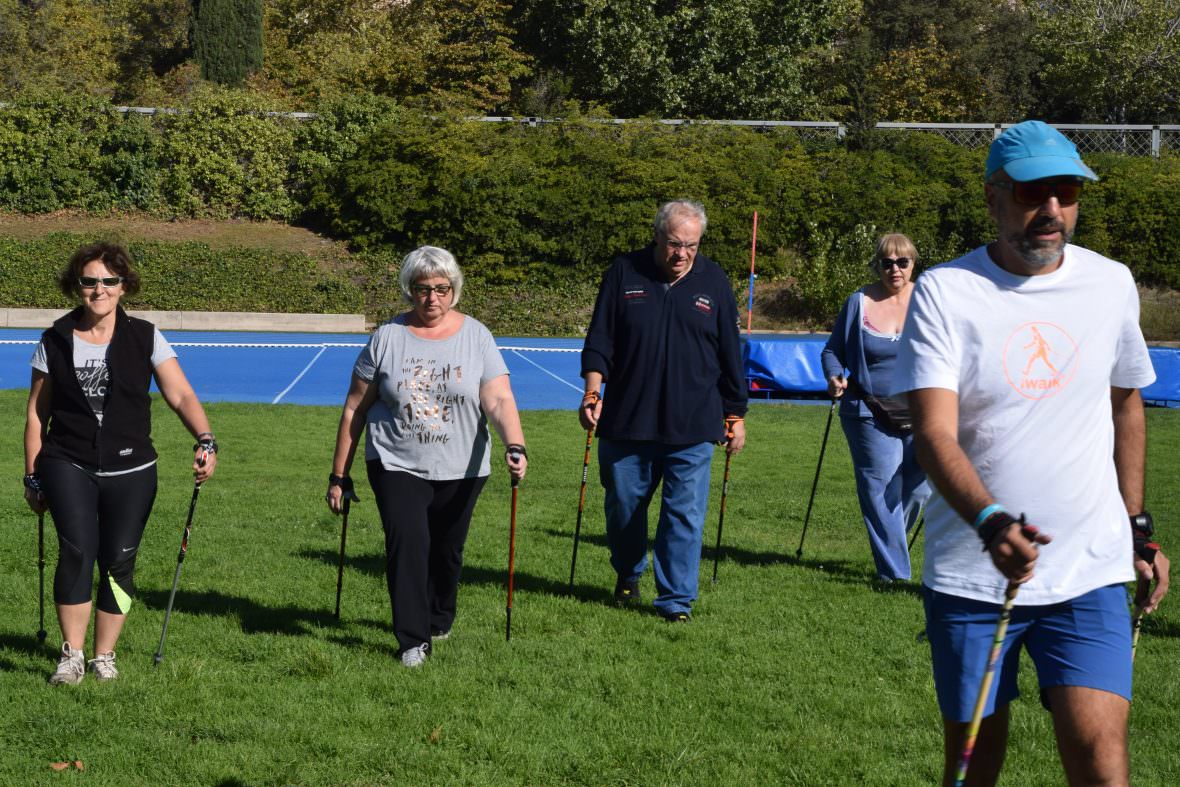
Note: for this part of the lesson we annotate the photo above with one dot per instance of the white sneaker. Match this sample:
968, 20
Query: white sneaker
103, 666
416, 656
435, 636
70, 669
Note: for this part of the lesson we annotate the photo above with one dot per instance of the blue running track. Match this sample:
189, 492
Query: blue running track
305, 368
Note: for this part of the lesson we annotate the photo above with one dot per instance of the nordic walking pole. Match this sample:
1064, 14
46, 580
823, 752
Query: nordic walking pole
347, 495
823, 447
990, 673
343, 539
41, 634
1136, 627
581, 505
1137, 621
511, 559
750, 300
188, 526
917, 530
721, 515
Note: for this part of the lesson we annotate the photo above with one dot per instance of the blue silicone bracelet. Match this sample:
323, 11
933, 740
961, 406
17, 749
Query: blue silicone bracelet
985, 513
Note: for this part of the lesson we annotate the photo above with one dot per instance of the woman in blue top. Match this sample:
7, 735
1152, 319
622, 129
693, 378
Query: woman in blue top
889, 483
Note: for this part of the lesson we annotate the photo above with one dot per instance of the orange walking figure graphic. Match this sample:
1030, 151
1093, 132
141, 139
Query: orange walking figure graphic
1042, 351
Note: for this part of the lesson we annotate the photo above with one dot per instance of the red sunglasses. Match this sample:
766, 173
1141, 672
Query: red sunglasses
1033, 193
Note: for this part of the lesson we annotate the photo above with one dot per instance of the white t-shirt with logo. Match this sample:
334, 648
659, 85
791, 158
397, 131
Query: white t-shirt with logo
1033, 360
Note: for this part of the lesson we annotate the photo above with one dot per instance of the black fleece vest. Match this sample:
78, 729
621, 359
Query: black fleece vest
124, 439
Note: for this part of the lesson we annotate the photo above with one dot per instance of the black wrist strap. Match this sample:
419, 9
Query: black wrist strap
516, 448
342, 481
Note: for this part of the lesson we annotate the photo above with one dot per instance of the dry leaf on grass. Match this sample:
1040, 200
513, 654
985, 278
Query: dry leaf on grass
435, 735
59, 766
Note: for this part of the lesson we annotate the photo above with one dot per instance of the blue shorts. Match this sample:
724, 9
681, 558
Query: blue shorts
1082, 642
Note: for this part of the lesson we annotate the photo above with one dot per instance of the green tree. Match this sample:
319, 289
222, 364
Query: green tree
698, 58
1109, 61
226, 39
934, 61
450, 52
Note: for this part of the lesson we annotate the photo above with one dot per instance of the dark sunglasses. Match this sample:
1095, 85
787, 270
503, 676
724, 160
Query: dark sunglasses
424, 290
900, 262
90, 282
1033, 193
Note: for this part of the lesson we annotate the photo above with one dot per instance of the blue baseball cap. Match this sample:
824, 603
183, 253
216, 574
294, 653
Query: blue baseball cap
1033, 150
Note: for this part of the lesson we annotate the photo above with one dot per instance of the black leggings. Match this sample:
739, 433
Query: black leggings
97, 518
425, 525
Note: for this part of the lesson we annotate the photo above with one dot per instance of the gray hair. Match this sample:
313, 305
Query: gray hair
681, 208
426, 262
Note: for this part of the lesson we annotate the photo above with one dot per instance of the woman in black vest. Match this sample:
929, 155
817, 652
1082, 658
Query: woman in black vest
88, 448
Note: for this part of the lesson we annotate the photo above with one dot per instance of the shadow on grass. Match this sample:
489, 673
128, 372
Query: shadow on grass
27, 644
253, 616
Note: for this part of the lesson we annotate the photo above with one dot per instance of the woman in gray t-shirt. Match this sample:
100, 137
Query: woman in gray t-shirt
426, 386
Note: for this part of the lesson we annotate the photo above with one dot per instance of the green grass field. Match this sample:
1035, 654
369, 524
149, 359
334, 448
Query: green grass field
791, 672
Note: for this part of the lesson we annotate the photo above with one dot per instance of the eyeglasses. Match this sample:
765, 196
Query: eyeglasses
424, 290
678, 246
886, 262
90, 282
1033, 193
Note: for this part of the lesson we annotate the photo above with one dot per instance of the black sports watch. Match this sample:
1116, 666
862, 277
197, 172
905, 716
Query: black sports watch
1143, 525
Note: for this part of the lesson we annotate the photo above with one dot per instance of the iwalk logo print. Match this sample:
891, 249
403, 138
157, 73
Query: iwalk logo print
1040, 359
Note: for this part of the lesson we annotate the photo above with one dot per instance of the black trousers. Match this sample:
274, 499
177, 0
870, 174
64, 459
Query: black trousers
425, 524
98, 518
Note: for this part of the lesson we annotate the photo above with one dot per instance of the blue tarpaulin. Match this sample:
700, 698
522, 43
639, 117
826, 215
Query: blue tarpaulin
790, 366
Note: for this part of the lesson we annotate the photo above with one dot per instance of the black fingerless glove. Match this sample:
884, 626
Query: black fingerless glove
995, 524
1142, 529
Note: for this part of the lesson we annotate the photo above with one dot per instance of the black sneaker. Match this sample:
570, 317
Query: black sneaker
627, 592
676, 617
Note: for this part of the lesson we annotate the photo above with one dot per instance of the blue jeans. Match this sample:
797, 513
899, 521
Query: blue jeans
630, 471
891, 488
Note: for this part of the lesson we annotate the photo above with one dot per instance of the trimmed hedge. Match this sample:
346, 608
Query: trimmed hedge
183, 277
545, 208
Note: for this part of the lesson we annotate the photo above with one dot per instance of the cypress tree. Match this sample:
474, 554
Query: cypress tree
226, 39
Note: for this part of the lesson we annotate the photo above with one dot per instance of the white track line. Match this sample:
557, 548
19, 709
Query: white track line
299, 377
577, 388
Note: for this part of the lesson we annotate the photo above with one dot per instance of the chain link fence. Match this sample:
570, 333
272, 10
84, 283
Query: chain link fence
1131, 140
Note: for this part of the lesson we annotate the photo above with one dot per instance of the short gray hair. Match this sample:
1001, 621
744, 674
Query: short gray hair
681, 208
426, 262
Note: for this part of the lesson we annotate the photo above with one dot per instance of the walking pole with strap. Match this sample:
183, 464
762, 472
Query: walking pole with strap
992, 659
730, 421
581, 505
41, 633
348, 495
188, 526
721, 515
822, 448
511, 551
917, 530
1142, 530
209, 446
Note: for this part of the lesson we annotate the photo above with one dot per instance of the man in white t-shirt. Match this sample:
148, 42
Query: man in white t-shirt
1023, 362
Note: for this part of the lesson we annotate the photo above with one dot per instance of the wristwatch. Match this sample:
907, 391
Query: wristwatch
1143, 525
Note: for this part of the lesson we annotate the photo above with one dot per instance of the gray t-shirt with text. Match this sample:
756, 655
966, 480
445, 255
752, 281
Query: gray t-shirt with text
427, 420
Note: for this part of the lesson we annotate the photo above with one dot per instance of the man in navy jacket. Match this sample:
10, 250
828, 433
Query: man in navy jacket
664, 336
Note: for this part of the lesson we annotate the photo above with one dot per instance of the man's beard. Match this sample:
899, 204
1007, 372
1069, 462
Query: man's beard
1040, 253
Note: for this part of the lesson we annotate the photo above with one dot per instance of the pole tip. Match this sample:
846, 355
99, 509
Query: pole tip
158, 658
41, 635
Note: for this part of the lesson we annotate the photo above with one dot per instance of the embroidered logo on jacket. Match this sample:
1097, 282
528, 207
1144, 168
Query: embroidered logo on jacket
634, 294
1040, 359
702, 303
